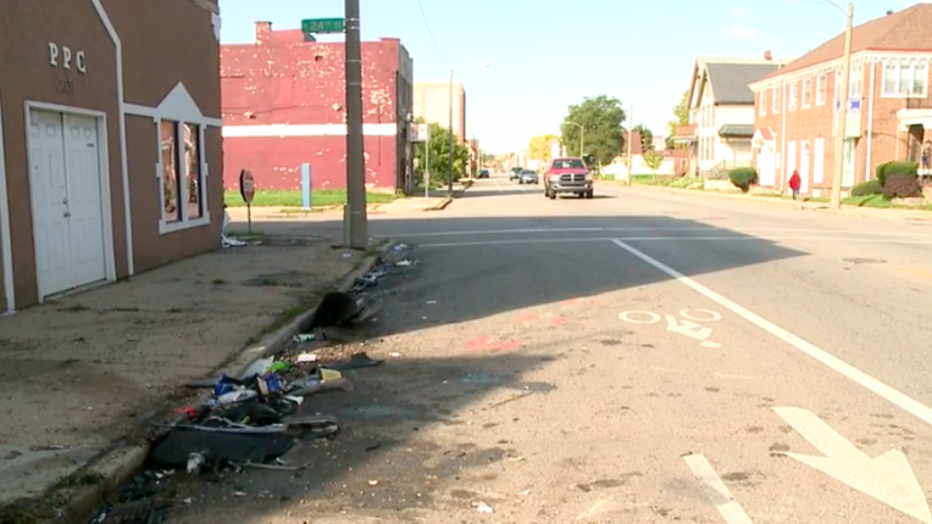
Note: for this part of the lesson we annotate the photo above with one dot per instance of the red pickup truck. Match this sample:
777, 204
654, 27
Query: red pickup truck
568, 175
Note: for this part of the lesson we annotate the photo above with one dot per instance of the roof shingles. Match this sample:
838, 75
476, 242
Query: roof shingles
730, 81
907, 30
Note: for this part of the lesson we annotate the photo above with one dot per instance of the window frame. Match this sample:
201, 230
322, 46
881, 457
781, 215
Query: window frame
775, 99
806, 88
821, 89
185, 221
762, 103
898, 67
792, 102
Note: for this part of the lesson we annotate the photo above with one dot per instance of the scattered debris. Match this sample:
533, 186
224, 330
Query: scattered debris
482, 507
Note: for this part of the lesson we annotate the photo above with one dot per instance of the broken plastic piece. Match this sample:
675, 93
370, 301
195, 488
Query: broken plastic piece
303, 338
306, 357
237, 396
358, 360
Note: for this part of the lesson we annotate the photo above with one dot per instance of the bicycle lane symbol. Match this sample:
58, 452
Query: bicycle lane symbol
689, 326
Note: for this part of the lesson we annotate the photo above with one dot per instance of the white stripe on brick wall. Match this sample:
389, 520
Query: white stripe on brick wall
289, 130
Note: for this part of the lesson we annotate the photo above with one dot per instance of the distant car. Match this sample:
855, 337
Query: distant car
527, 176
515, 171
483, 173
568, 175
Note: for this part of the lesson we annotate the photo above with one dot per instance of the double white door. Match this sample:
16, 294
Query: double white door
67, 215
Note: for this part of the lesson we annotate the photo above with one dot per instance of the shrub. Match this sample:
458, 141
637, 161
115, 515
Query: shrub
869, 188
743, 177
899, 185
896, 168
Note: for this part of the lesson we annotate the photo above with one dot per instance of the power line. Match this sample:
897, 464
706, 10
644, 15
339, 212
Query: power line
431, 33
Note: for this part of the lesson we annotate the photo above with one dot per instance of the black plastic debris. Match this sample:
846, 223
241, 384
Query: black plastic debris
357, 361
335, 308
178, 445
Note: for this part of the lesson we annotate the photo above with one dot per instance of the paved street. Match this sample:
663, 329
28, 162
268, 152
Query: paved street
640, 357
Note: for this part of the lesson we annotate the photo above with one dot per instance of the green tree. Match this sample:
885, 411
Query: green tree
652, 160
680, 118
602, 117
439, 145
647, 137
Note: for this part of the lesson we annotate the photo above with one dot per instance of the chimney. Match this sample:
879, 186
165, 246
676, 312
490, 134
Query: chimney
768, 55
890, 12
262, 31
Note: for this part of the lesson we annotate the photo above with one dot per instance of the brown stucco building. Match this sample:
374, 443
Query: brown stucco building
110, 143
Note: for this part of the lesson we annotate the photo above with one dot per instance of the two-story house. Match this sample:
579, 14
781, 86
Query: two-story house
721, 112
889, 110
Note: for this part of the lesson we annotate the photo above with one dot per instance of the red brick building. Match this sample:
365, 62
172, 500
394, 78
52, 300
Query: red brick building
890, 112
284, 104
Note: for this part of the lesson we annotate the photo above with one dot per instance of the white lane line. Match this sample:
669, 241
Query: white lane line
606, 229
886, 392
672, 239
716, 490
499, 186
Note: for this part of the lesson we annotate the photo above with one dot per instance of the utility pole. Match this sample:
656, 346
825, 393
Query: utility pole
630, 149
450, 187
355, 159
844, 92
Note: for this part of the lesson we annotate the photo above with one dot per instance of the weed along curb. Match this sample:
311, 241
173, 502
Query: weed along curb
449, 200
74, 499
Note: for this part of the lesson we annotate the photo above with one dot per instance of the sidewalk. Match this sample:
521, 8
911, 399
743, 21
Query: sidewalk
865, 212
81, 372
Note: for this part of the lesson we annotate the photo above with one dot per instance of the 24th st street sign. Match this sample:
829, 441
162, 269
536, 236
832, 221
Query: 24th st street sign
323, 26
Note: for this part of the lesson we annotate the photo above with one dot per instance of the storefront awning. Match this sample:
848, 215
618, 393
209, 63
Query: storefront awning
736, 131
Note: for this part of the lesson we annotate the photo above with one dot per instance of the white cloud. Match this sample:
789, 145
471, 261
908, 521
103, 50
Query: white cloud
743, 32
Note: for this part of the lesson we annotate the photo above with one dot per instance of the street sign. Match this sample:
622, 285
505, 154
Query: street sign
247, 185
418, 133
323, 26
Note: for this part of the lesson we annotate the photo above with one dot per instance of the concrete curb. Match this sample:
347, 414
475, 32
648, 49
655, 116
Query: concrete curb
449, 200
117, 466
888, 214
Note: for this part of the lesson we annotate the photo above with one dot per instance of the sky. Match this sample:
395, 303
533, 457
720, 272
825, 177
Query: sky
524, 62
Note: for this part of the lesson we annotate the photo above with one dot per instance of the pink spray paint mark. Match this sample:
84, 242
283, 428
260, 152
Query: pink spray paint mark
570, 302
559, 321
483, 344
526, 318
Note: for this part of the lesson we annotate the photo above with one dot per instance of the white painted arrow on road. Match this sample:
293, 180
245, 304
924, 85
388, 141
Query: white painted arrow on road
888, 478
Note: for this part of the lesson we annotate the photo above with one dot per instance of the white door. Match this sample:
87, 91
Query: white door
765, 166
790, 162
66, 201
82, 163
804, 167
847, 177
818, 171
48, 186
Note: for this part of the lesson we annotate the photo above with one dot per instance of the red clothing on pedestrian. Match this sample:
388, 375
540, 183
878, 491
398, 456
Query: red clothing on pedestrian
795, 181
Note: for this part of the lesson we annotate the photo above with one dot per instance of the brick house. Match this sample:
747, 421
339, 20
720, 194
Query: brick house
110, 141
721, 114
283, 105
890, 114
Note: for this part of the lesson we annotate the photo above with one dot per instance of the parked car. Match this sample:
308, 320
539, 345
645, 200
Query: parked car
483, 173
568, 175
515, 171
527, 176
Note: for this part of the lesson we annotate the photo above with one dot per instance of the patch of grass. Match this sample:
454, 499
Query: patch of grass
294, 198
284, 317
877, 201
35, 511
218, 282
175, 309
79, 479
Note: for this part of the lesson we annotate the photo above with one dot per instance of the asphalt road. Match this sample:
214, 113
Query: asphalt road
640, 357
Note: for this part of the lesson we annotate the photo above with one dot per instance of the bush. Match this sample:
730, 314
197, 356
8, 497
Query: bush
869, 188
743, 177
899, 185
896, 168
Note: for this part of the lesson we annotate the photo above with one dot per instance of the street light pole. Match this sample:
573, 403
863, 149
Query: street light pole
450, 187
844, 94
355, 159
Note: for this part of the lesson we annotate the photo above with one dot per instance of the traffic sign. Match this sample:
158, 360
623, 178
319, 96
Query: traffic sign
247, 185
322, 26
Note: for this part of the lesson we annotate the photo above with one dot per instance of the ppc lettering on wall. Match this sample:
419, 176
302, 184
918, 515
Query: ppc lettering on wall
63, 57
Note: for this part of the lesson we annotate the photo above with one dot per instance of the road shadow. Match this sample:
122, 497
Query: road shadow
393, 427
482, 267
